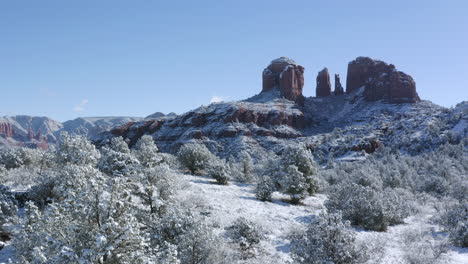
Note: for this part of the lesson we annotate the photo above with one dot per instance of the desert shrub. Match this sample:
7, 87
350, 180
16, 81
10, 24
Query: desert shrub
219, 171
246, 168
295, 184
195, 157
420, 247
76, 150
3, 172
116, 158
191, 240
296, 173
327, 240
155, 186
246, 235
264, 188
368, 208
455, 221
147, 152
94, 222
8, 204
12, 158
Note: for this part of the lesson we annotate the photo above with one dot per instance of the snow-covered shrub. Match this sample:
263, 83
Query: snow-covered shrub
116, 158
180, 230
8, 205
297, 173
94, 223
246, 168
294, 183
327, 240
368, 208
219, 171
420, 247
455, 221
3, 172
18, 157
194, 156
155, 186
78, 150
246, 235
264, 188
147, 152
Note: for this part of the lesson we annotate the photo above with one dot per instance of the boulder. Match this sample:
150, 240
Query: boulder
338, 87
284, 74
323, 83
380, 81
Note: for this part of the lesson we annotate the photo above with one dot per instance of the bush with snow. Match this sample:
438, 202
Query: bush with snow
368, 208
147, 152
327, 240
421, 247
246, 170
94, 222
195, 157
246, 235
181, 232
455, 221
12, 158
264, 188
78, 150
117, 159
219, 171
8, 206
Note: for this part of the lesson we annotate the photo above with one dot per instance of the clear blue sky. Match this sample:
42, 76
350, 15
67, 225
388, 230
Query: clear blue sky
66, 59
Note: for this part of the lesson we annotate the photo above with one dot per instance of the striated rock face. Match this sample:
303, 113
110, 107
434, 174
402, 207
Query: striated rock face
338, 87
6, 129
218, 122
323, 83
381, 81
284, 74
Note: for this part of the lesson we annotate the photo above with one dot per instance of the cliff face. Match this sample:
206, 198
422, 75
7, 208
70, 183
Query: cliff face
221, 121
381, 81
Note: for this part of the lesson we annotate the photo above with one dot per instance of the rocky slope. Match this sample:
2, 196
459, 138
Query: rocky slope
380, 108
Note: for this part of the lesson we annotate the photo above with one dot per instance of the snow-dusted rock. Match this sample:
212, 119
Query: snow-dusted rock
381, 81
287, 76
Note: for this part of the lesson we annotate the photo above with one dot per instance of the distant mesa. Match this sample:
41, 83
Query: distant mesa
323, 83
381, 81
287, 76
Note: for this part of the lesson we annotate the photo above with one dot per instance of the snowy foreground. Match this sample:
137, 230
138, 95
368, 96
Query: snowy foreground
221, 205
224, 204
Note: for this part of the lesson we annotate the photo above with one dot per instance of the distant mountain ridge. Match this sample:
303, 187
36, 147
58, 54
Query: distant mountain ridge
40, 132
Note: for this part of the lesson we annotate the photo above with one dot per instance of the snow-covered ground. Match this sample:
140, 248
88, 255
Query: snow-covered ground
223, 204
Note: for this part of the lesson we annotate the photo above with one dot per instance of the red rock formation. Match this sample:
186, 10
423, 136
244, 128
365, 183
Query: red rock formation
369, 146
381, 81
338, 87
323, 83
285, 75
6, 130
30, 134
